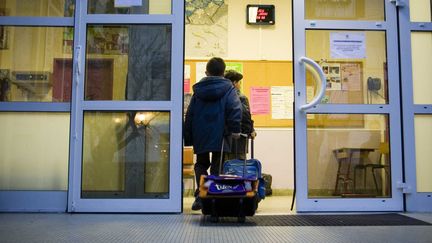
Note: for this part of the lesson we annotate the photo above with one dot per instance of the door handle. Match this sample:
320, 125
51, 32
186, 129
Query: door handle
398, 3
78, 59
78, 64
316, 100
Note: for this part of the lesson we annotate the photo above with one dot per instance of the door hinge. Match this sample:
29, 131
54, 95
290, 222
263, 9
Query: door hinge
398, 3
73, 207
404, 187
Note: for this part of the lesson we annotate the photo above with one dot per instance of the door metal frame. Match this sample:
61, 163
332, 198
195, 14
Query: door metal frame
392, 109
415, 201
174, 106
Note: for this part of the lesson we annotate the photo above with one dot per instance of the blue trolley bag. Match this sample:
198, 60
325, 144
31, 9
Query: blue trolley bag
248, 168
234, 193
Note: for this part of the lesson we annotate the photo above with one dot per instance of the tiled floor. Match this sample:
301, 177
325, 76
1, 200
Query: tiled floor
187, 227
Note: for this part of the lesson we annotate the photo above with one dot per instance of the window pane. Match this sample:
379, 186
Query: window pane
421, 44
126, 155
128, 62
34, 151
345, 9
355, 65
37, 8
32, 63
129, 7
423, 141
348, 156
420, 10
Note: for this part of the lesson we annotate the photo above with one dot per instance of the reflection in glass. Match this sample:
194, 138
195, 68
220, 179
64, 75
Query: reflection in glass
128, 62
348, 156
37, 8
34, 151
345, 9
36, 64
421, 44
420, 10
354, 63
423, 141
125, 155
129, 7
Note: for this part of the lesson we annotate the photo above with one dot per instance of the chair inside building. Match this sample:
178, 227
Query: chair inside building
188, 165
381, 164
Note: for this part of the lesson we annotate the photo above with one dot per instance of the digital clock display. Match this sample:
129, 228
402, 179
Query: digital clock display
260, 14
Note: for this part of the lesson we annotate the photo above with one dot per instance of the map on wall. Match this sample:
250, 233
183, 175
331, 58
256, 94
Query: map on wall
206, 28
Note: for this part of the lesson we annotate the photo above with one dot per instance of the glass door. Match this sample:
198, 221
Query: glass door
127, 107
416, 46
34, 124
347, 107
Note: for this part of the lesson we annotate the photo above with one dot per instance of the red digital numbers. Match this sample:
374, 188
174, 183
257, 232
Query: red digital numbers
262, 14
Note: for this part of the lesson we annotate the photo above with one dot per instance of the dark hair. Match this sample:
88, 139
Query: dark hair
215, 67
234, 76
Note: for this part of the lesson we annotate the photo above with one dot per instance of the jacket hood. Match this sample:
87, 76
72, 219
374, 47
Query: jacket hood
212, 88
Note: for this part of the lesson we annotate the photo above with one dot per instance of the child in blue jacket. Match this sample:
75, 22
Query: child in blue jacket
212, 120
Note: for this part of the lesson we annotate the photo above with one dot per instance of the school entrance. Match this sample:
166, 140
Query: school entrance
93, 93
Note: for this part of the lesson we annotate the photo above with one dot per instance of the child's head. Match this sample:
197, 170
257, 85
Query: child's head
215, 67
234, 76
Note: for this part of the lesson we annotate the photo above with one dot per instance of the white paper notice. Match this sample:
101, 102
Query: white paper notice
347, 45
200, 71
127, 3
282, 98
187, 71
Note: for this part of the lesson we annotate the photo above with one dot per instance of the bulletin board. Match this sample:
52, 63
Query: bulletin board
347, 80
344, 86
257, 74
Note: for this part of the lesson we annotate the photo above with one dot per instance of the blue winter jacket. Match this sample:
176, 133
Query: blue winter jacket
214, 113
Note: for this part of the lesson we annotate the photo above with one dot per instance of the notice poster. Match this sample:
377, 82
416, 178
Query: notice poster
260, 100
334, 77
282, 98
236, 66
347, 45
351, 76
186, 82
200, 71
127, 3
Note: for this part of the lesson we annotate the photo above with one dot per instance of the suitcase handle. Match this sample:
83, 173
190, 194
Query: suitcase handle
221, 155
247, 143
246, 136
252, 148
245, 159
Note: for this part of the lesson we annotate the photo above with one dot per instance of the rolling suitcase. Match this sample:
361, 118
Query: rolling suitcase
235, 193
